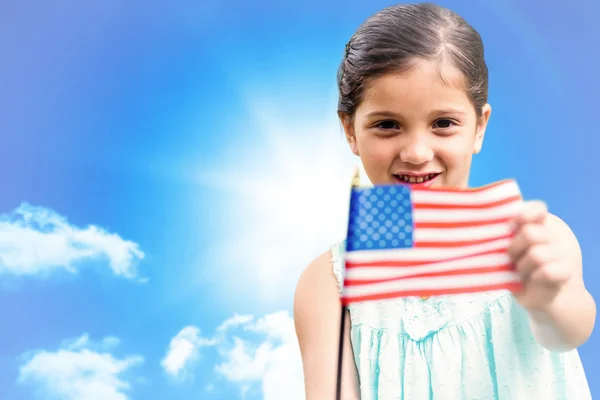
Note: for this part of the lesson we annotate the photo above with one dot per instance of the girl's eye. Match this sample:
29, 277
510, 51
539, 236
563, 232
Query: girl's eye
386, 125
443, 124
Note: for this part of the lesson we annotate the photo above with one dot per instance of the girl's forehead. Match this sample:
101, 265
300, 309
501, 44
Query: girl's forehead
427, 72
419, 86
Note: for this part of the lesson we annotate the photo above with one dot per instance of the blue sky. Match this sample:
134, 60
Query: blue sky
160, 160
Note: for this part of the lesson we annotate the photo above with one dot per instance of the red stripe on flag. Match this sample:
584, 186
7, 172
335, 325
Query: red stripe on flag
459, 206
462, 190
462, 224
512, 286
453, 272
456, 243
401, 263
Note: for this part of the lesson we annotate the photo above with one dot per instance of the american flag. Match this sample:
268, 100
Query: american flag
407, 241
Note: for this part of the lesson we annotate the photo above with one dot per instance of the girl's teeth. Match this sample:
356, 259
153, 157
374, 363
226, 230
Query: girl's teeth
414, 179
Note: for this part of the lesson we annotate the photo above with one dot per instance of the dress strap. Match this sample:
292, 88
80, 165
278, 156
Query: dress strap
337, 264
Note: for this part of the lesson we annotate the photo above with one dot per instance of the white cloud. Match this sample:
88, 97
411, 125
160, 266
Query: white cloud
37, 240
288, 191
234, 322
268, 357
255, 354
183, 352
79, 369
84, 342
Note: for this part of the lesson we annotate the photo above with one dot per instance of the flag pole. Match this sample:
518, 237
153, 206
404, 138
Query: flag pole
355, 183
340, 353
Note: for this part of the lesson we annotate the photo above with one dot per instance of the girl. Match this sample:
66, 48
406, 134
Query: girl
413, 105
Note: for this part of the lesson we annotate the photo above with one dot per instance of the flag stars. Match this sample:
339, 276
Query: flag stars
381, 218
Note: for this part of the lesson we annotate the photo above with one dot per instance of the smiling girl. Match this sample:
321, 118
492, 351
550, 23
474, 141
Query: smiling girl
413, 104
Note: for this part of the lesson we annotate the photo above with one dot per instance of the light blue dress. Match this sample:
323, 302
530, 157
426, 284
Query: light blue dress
460, 347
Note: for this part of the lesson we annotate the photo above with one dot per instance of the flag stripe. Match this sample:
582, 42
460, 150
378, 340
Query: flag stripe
462, 216
432, 274
369, 273
463, 206
499, 191
458, 243
495, 285
466, 224
373, 265
432, 284
490, 231
424, 254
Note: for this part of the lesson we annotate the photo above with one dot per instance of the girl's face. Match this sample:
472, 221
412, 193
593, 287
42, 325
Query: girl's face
413, 127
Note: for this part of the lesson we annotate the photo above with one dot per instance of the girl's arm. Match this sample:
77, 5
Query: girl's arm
547, 253
317, 316
567, 321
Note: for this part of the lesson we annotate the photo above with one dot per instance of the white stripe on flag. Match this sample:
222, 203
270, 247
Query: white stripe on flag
491, 231
479, 261
469, 215
424, 284
495, 193
425, 254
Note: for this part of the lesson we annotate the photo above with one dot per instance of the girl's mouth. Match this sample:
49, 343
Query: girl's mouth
424, 180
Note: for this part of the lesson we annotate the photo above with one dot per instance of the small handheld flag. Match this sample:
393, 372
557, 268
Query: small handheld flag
407, 241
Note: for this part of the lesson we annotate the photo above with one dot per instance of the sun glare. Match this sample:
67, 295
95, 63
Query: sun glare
291, 189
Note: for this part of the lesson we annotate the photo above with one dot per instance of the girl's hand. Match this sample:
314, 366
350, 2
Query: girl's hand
542, 254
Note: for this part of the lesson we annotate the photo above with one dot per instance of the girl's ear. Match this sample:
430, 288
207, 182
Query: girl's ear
486, 111
348, 125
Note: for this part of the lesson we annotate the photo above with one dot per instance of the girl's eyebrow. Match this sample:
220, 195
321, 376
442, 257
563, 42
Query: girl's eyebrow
448, 110
390, 114
382, 114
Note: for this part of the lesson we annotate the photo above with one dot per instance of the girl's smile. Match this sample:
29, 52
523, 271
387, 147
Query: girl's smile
423, 180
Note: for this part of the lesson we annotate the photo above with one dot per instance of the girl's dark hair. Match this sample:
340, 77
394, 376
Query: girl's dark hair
392, 39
